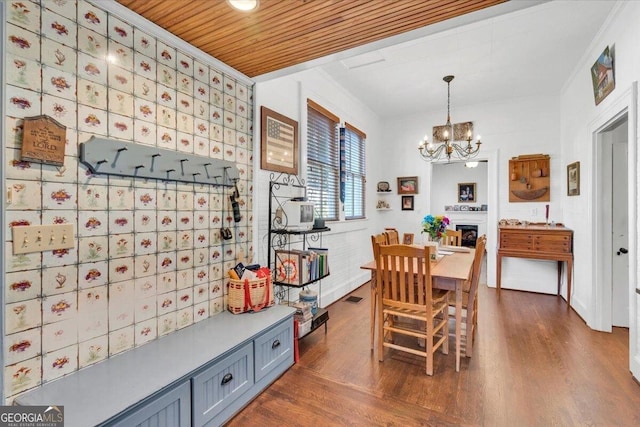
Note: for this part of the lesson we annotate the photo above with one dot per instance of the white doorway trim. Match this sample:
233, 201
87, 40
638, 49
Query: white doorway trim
626, 104
492, 158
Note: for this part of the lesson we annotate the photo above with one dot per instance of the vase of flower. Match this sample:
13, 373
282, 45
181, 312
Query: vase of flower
434, 228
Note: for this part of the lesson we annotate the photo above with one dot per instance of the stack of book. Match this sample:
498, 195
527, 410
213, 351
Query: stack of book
303, 318
303, 312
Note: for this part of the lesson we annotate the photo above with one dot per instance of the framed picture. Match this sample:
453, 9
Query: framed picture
573, 179
407, 239
467, 192
602, 75
278, 142
408, 185
407, 203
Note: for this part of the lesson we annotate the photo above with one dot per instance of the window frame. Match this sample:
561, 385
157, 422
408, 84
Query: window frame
328, 169
354, 169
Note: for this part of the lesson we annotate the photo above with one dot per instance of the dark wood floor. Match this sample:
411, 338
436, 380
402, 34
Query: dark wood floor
534, 364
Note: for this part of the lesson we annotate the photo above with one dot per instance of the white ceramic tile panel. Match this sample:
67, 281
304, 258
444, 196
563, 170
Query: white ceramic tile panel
58, 280
59, 363
92, 351
22, 346
137, 240
25, 15
92, 43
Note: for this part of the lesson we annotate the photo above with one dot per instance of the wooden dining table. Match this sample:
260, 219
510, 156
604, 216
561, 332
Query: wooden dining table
448, 272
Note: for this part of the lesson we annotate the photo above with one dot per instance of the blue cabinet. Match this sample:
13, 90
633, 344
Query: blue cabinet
170, 408
218, 386
199, 376
273, 348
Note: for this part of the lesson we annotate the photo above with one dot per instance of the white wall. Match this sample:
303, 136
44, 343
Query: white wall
509, 128
349, 242
581, 118
447, 176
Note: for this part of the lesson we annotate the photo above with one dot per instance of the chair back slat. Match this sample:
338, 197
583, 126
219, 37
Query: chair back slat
452, 237
376, 240
405, 274
392, 236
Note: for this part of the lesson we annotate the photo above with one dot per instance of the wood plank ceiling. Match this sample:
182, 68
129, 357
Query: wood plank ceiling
283, 33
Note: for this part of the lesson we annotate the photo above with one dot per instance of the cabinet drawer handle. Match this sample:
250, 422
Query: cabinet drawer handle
275, 344
226, 379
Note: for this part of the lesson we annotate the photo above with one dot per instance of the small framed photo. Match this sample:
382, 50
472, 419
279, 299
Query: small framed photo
407, 239
407, 203
408, 185
467, 192
573, 179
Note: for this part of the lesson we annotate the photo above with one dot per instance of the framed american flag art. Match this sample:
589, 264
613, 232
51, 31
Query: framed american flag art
279, 142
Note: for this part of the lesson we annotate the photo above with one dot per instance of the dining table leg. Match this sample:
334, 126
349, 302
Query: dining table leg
459, 322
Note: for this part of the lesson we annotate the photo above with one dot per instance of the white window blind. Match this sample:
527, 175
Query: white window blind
354, 171
323, 160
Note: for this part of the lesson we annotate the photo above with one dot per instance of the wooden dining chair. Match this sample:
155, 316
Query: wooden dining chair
470, 298
376, 241
452, 237
392, 236
409, 307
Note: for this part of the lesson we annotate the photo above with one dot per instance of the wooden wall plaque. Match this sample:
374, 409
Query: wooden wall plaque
530, 178
43, 140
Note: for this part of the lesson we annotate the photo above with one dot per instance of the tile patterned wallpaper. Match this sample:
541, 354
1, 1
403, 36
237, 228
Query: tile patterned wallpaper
148, 258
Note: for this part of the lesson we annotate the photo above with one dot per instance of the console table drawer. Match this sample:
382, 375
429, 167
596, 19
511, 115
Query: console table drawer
547, 243
272, 348
556, 242
219, 385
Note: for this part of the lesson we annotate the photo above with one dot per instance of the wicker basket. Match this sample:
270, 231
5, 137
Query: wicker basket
249, 295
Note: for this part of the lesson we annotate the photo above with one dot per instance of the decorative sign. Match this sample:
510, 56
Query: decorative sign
461, 132
43, 141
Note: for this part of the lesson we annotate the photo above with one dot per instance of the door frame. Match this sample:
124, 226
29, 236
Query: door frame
626, 104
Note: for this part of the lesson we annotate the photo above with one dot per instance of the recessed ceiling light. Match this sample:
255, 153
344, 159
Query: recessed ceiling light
244, 5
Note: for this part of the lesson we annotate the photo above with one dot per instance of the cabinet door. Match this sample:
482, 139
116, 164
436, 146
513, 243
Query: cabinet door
219, 385
171, 408
273, 347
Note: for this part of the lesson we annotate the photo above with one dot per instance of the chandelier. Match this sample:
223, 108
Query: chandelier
445, 137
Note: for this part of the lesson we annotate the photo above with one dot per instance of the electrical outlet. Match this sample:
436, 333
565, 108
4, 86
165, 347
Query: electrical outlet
40, 238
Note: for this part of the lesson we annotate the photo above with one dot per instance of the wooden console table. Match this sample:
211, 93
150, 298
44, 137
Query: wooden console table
537, 242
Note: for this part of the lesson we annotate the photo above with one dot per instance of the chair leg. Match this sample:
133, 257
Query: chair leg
429, 348
374, 301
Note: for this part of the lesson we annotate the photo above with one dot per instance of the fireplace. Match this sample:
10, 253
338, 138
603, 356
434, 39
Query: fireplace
469, 235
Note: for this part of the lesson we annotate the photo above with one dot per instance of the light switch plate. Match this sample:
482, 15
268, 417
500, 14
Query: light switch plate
40, 238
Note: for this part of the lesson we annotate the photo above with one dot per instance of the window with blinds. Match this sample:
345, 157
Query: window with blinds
354, 171
323, 161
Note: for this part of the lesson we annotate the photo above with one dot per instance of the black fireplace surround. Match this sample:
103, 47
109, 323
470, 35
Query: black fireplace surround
469, 235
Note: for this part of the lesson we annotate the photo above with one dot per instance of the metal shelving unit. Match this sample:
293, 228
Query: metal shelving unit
282, 187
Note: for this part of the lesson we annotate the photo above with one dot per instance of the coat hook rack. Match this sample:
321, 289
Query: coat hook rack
161, 163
